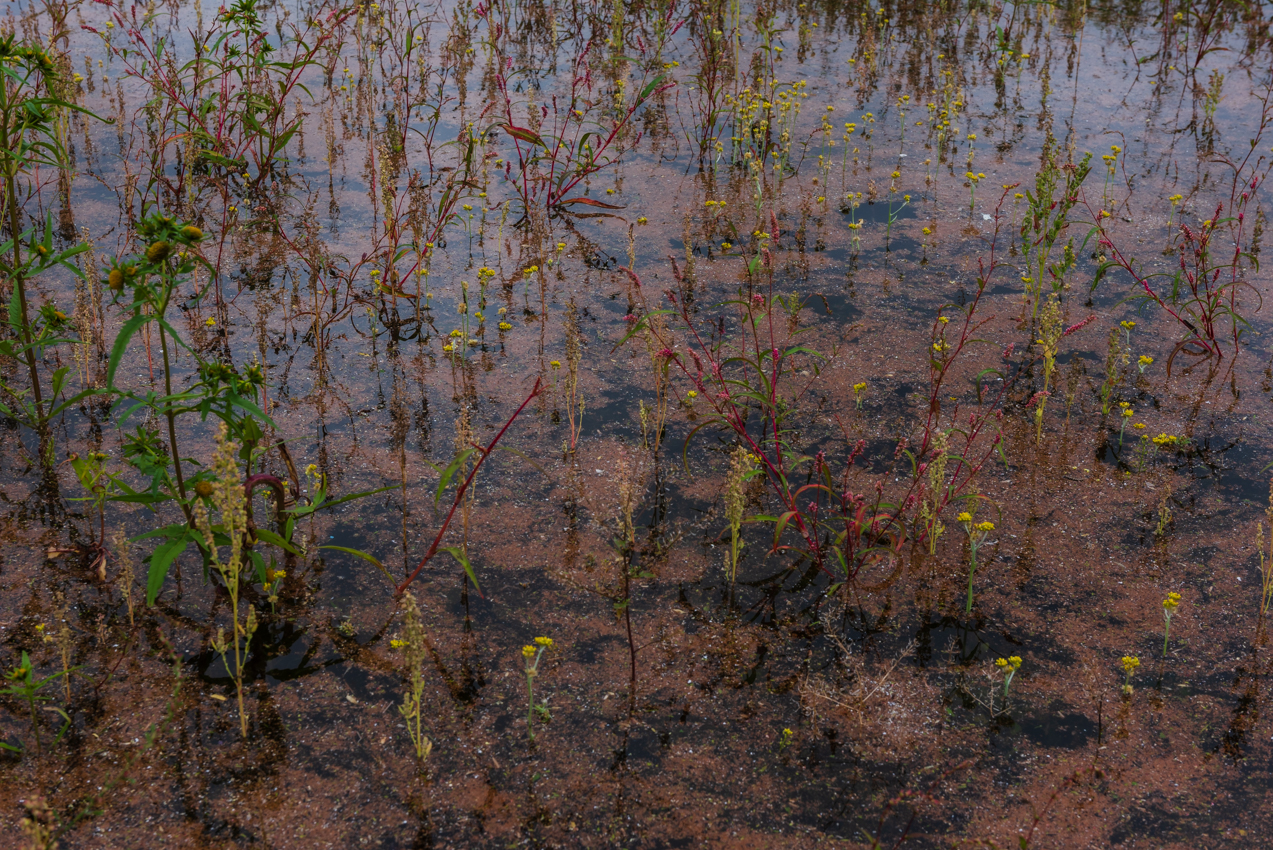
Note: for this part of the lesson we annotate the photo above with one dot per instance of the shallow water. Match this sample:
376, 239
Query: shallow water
787, 707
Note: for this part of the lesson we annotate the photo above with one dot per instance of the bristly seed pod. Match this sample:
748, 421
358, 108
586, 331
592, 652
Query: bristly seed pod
115, 280
158, 251
192, 233
203, 489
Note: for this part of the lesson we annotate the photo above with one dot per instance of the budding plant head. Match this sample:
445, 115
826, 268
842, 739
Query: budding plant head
1009, 667
1130, 664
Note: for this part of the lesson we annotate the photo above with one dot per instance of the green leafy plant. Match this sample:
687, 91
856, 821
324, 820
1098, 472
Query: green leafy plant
30, 139
229, 103
25, 684
1047, 220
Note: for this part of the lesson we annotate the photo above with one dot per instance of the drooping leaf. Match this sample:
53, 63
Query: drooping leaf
458, 553
161, 561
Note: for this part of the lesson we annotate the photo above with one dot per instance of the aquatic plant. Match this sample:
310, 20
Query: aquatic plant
1130, 664
26, 685
532, 654
1202, 294
1047, 220
444, 480
549, 163
224, 111
1169, 606
740, 467
30, 137
224, 492
1008, 667
977, 533
413, 652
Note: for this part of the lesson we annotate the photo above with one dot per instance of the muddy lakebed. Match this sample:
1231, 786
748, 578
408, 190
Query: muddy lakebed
668, 424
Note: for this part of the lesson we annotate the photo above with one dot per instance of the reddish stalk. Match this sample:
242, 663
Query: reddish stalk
459, 494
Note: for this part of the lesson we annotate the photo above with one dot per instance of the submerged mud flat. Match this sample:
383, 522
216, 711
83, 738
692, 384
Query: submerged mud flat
660, 424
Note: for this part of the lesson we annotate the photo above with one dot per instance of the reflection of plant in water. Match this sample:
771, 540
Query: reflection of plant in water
574, 356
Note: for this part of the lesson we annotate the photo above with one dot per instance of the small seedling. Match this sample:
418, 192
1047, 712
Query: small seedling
26, 686
1009, 666
532, 653
1169, 606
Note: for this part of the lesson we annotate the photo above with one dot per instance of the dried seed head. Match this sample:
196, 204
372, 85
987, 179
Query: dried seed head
735, 501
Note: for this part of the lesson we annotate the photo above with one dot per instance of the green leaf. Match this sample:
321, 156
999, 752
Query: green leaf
449, 473
271, 537
371, 559
782, 524
121, 345
458, 554
259, 562
650, 87
160, 562
170, 531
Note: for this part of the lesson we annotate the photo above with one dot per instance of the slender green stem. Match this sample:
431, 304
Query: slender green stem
35, 721
972, 568
172, 425
530, 702
15, 228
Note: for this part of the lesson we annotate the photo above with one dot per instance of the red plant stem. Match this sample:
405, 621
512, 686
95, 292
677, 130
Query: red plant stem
1125, 264
459, 494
